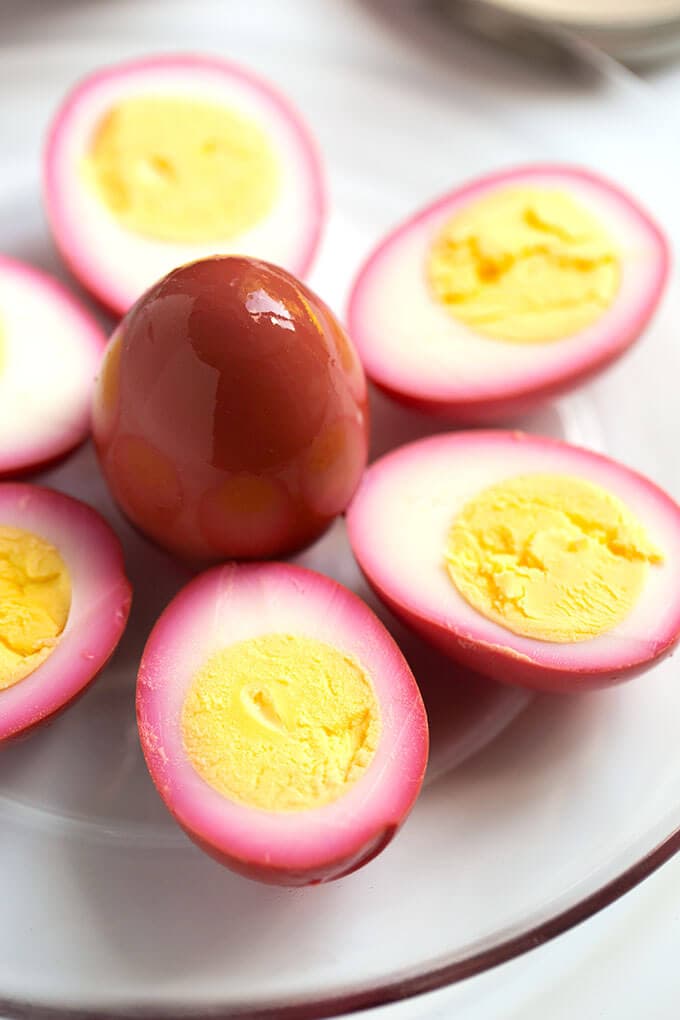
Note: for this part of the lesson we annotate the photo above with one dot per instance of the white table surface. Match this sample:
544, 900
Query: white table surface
622, 964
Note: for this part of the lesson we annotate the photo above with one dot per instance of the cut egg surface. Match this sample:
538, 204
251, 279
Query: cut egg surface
280, 722
155, 162
532, 561
50, 349
507, 291
64, 602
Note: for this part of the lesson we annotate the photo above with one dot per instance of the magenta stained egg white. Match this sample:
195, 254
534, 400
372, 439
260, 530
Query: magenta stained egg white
426, 354
100, 596
233, 610
212, 134
399, 526
50, 350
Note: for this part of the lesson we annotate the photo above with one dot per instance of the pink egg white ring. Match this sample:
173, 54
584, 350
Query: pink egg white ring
50, 350
398, 525
117, 265
100, 602
418, 353
232, 603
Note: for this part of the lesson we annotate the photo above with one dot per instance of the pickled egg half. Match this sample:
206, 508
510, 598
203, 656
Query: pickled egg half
64, 602
280, 722
532, 561
50, 350
506, 292
154, 162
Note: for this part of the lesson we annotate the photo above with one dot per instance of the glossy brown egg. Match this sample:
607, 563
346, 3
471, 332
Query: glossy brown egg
230, 412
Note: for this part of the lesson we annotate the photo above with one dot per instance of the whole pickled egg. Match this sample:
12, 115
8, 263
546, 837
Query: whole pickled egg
230, 412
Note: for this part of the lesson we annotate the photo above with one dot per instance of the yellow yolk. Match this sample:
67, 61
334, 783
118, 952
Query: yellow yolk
280, 722
526, 265
181, 170
549, 557
35, 599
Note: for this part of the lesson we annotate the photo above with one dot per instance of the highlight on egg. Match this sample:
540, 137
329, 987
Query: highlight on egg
161, 160
230, 415
529, 560
280, 722
64, 602
507, 291
50, 349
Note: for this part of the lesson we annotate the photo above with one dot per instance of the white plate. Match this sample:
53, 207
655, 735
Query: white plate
106, 908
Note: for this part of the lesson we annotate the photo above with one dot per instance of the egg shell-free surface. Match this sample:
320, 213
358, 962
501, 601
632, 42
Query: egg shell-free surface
117, 265
231, 416
51, 349
398, 525
100, 602
233, 603
418, 353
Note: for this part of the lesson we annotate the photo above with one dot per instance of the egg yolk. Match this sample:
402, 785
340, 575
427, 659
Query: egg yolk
176, 169
281, 722
525, 265
549, 557
35, 599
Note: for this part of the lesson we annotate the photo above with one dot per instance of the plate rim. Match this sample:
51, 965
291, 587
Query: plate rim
396, 990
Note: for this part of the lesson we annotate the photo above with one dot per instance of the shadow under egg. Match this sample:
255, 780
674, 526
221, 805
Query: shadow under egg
572, 419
